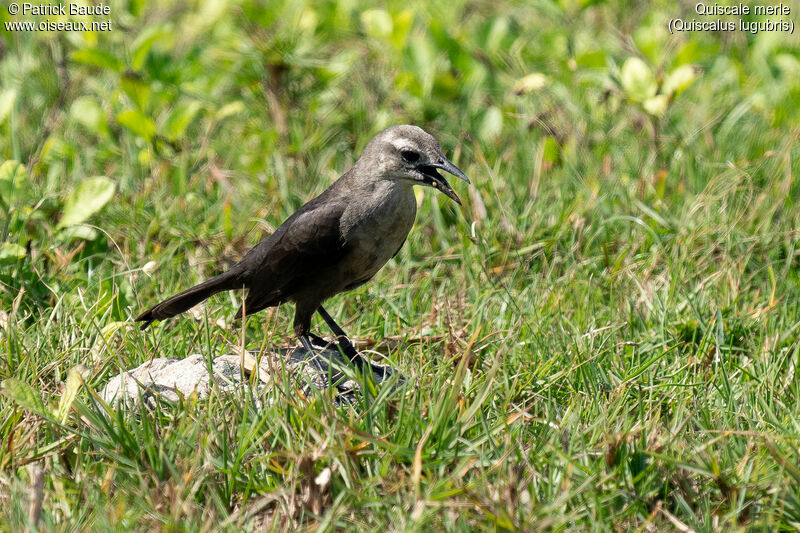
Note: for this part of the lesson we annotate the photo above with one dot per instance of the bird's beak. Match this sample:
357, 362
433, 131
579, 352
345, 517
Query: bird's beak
436, 180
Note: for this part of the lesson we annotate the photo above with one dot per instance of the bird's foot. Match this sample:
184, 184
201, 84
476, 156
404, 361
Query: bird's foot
342, 344
316, 348
319, 342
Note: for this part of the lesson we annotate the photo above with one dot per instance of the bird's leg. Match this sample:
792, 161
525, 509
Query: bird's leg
341, 337
347, 347
306, 339
312, 354
302, 328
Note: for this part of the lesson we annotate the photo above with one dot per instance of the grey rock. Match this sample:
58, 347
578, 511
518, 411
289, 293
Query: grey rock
173, 378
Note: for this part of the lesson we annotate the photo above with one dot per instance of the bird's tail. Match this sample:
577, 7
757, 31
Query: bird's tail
189, 298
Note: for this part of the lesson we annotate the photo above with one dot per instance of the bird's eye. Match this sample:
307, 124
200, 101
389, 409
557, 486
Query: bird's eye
409, 156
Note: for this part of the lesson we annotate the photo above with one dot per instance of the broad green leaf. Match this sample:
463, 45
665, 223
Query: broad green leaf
651, 36
656, 105
497, 35
55, 147
144, 43
679, 79
97, 58
401, 25
13, 177
75, 379
551, 150
180, 118
198, 22
11, 252
136, 89
24, 395
87, 111
81, 233
787, 63
86, 199
492, 124
532, 82
637, 80
7, 99
592, 59
377, 23
423, 56
307, 22
138, 123
233, 108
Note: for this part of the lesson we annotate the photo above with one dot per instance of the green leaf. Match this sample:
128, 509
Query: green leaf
551, 150
86, 199
592, 59
136, 89
98, 58
492, 124
532, 82
786, 63
233, 108
24, 395
138, 123
377, 23
180, 118
497, 35
656, 105
79, 233
423, 58
637, 80
400, 27
7, 99
86, 110
144, 43
13, 177
679, 79
75, 379
11, 252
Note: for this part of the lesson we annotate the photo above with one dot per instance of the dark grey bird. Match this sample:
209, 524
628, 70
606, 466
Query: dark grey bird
335, 242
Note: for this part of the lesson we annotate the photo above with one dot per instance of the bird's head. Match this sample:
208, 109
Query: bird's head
411, 154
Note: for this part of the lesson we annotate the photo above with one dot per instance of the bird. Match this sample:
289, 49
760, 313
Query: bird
335, 242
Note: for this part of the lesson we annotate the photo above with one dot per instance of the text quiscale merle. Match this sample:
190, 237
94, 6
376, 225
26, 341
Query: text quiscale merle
741, 9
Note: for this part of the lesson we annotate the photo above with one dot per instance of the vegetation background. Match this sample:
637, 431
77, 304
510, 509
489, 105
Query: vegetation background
605, 336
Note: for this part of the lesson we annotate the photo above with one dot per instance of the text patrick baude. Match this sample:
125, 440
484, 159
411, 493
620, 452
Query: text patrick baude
61, 9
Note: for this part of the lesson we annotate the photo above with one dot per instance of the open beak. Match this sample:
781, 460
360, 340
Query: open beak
437, 181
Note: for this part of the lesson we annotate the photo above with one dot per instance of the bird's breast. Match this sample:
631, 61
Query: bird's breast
374, 228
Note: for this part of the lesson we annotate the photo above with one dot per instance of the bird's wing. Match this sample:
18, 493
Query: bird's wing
305, 242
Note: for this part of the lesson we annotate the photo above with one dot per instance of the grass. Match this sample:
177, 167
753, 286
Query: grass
604, 337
